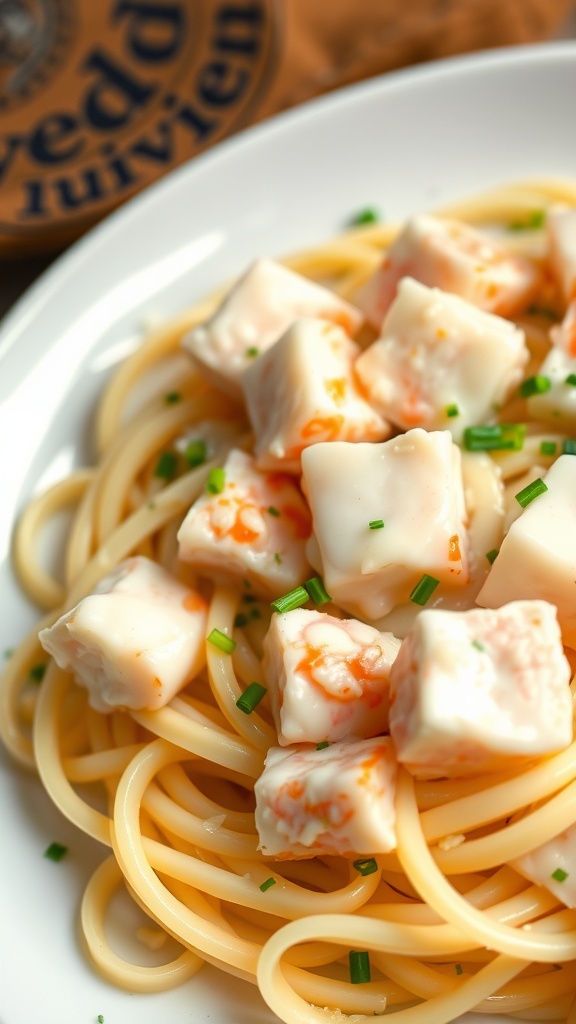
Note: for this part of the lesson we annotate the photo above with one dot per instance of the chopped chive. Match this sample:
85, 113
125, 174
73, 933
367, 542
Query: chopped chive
55, 851
220, 640
452, 410
424, 589
527, 494
478, 645
536, 385
8, 652
195, 452
166, 466
366, 867
376, 524
293, 599
37, 672
368, 216
272, 511
317, 590
322, 745
559, 875
151, 504
251, 697
548, 448
359, 962
458, 968
569, 446
216, 480
532, 222
267, 884
240, 621
252, 352
537, 219
100, 1018
277, 558
172, 397
571, 379
496, 437
491, 555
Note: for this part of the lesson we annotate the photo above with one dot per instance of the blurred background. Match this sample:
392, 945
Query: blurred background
99, 98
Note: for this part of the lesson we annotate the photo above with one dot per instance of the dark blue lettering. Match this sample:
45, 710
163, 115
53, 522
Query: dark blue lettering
220, 85
86, 188
238, 29
200, 125
33, 200
162, 151
48, 141
114, 97
146, 21
123, 173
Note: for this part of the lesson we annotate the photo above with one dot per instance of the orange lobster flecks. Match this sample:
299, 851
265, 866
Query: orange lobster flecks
412, 414
454, 554
291, 806
193, 602
327, 426
335, 812
340, 318
239, 528
336, 389
368, 766
294, 789
315, 659
276, 481
300, 519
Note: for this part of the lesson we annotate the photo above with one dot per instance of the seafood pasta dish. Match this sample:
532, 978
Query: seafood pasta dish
306, 671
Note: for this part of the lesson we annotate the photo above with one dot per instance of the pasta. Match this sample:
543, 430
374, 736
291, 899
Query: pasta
449, 924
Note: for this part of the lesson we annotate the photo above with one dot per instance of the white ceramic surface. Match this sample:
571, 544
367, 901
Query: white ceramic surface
403, 142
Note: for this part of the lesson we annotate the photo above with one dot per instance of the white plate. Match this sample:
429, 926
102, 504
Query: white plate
403, 142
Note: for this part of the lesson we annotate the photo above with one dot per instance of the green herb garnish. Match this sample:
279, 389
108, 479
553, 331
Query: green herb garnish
368, 216
424, 589
317, 591
55, 852
216, 480
359, 962
495, 437
293, 599
166, 466
267, 884
365, 866
251, 697
527, 494
220, 640
195, 452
